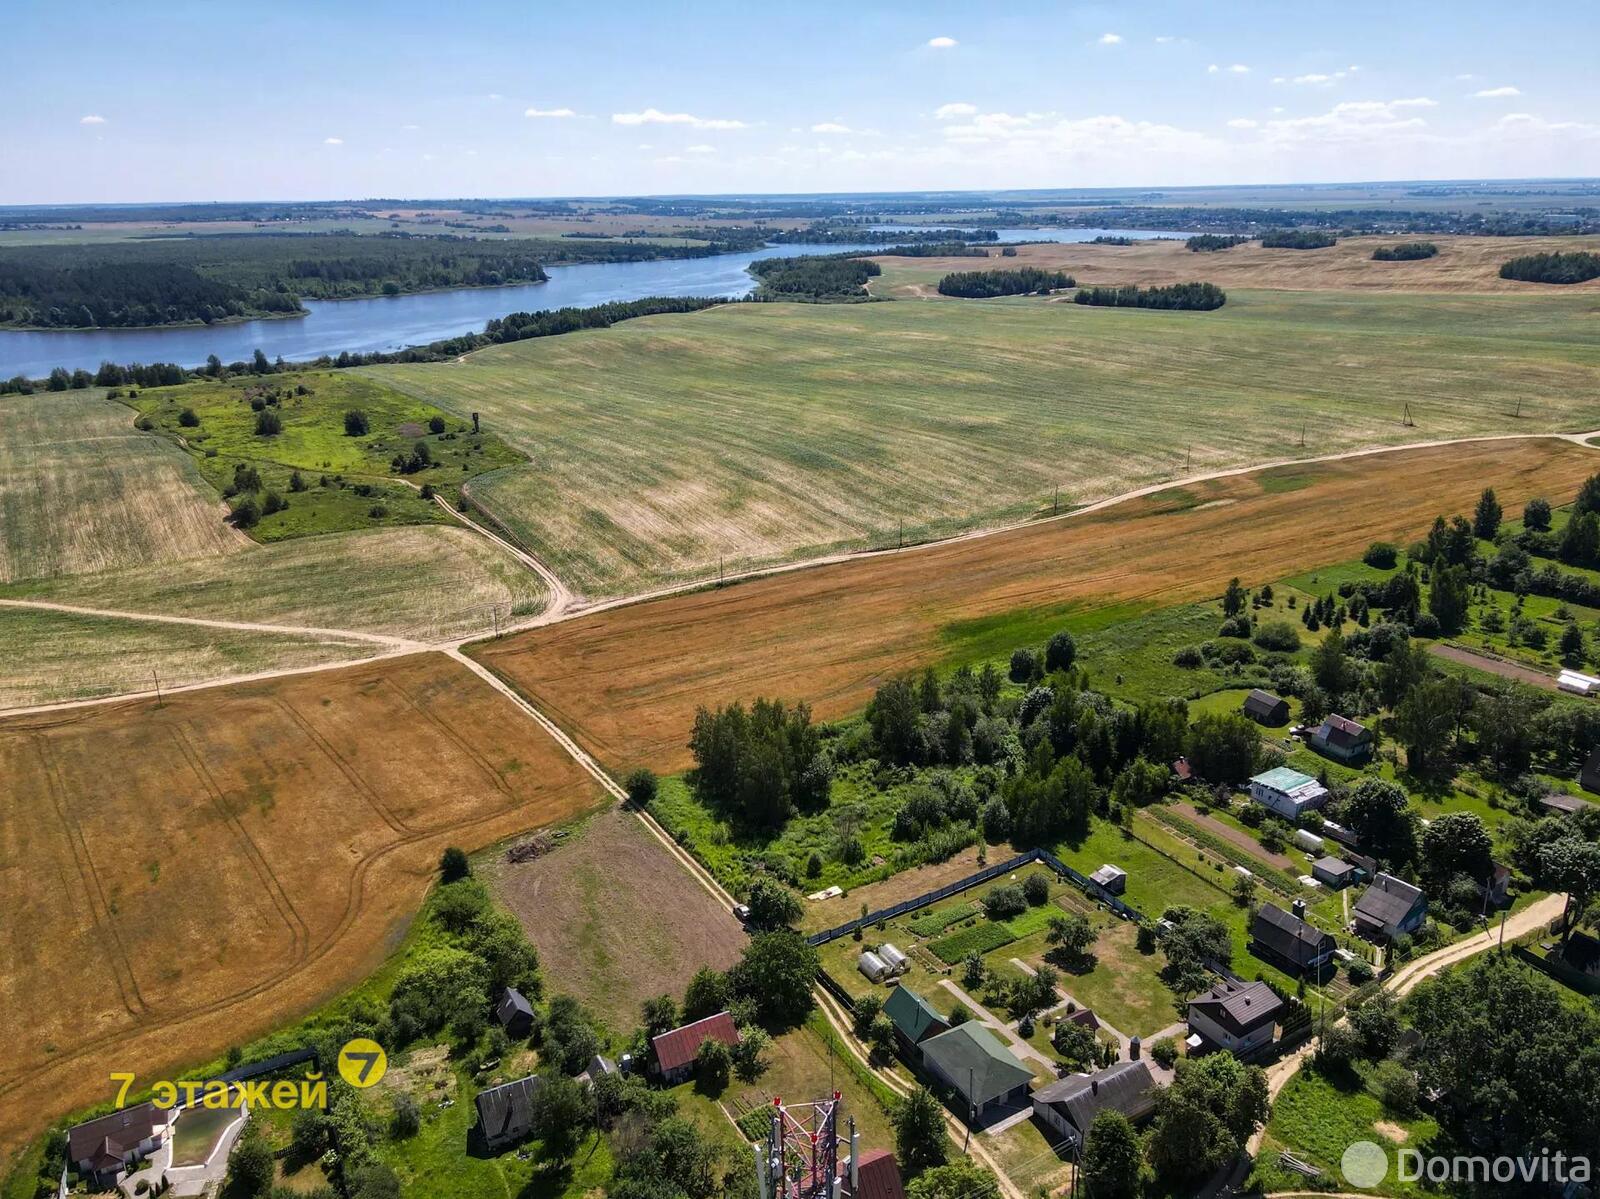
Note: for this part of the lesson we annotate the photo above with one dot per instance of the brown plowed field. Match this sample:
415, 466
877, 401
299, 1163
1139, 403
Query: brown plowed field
182, 878
625, 682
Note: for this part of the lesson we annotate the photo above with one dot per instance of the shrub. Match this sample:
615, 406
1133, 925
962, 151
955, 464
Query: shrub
1278, 636
1381, 554
1023, 665
454, 865
268, 423
642, 786
1427, 625
1235, 626
1536, 514
355, 423
436, 424
1189, 657
1165, 1052
188, 419
1060, 653
272, 502
406, 1118
246, 513
377, 512
1002, 903
1396, 1087
1036, 889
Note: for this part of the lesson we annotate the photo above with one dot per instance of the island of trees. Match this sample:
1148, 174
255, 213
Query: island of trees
1205, 243
814, 277
1196, 297
1297, 239
1578, 266
1409, 251
1027, 280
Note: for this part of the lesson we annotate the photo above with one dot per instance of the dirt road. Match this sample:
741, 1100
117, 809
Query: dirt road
1500, 666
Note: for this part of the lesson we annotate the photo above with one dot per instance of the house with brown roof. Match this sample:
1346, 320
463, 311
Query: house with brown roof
1285, 939
1343, 740
1263, 707
505, 1112
673, 1053
1236, 1016
105, 1149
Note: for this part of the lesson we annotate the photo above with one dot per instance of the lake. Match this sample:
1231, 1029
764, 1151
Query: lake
388, 323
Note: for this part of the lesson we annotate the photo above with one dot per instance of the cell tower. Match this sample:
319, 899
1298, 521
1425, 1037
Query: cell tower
800, 1158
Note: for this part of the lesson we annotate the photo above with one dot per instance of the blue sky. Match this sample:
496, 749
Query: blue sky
212, 99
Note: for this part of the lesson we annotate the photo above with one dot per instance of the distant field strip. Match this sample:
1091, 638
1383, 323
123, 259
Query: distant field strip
427, 582
82, 490
625, 682
178, 878
761, 433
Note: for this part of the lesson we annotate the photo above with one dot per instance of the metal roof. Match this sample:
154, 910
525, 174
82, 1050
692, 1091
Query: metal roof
1127, 1087
1237, 1005
1388, 900
1290, 937
677, 1048
971, 1055
912, 1014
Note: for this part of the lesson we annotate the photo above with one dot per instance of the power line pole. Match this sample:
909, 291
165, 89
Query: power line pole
156, 673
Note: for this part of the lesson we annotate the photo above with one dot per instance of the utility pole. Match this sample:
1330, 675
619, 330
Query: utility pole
1503, 931
902, 544
156, 673
719, 570
1302, 435
1055, 505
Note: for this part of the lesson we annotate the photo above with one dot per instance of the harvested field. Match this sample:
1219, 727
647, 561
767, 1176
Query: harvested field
670, 448
81, 490
626, 681
614, 946
1463, 264
421, 581
181, 877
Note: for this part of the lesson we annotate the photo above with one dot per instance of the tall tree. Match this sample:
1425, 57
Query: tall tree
1486, 517
1449, 597
1112, 1160
1382, 816
920, 1140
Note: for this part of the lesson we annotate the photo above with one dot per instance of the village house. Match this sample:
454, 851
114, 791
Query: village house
1287, 793
673, 1053
1389, 907
914, 1020
1236, 1016
971, 1061
1263, 707
515, 1014
1343, 740
1067, 1107
103, 1150
1285, 938
505, 1112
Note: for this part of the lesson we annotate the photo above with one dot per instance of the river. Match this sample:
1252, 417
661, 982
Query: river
388, 323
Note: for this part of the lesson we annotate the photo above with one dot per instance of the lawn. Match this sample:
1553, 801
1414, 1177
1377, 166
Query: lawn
1317, 1121
664, 448
82, 490
348, 481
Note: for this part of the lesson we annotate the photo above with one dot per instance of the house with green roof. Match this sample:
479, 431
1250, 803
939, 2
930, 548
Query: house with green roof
971, 1061
914, 1020
1287, 793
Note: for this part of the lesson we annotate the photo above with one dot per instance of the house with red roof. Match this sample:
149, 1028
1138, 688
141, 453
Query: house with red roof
673, 1053
875, 1176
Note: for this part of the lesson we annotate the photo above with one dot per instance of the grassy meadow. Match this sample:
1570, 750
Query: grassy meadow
82, 490
348, 481
766, 432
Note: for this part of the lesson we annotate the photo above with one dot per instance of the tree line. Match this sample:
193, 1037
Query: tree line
1210, 243
1297, 239
1409, 251
1195, 297
1020, 281
1576, 267
814, 277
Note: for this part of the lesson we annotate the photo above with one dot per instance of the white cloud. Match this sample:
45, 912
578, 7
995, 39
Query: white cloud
1243, 123
947, 111
1497, 93
1316, 78
1165, 39
1465, 75
654, 116
1364, 123
554, 113
333, 141
831, 127
1110, 39
92, 119
1524, 124
1237, 68
942, 43
701, 149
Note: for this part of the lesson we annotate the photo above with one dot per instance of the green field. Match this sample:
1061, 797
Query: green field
349, 482
82, 490
428, 582
765, 432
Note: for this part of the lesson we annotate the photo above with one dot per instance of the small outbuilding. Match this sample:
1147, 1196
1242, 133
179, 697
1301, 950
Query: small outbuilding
1333, 872
1112, 879
514, 1013
893, 958
1263, 707
1561, 804
1308, 840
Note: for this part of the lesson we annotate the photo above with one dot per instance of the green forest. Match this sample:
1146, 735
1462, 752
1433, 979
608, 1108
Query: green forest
1410, 251
1196, 297
1297, 239
1576, 267
1028, 280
